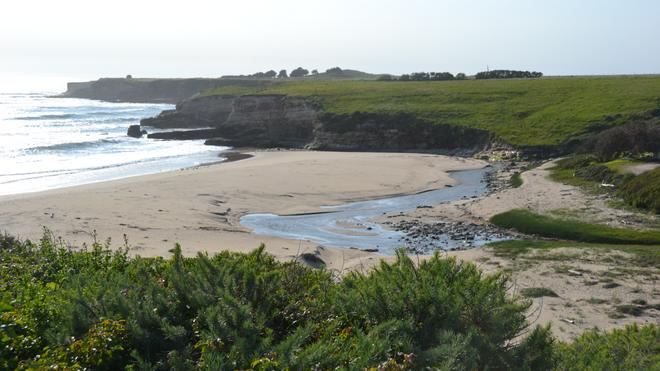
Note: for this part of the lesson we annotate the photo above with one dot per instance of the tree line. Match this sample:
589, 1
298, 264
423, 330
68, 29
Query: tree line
283, 74
424, 76
446, 76
507, 74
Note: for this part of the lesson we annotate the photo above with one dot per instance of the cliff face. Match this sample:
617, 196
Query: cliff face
262, 121
373, 131
147, 90
283, 121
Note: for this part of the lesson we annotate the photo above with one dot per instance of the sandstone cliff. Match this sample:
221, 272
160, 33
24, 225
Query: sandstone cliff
293, 122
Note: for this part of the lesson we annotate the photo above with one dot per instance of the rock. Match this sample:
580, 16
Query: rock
295, 122
135, 131
185, 134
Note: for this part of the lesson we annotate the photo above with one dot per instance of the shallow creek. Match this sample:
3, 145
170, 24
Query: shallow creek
351, 225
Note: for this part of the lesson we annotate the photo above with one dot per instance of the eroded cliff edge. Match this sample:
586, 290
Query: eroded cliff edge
294, 122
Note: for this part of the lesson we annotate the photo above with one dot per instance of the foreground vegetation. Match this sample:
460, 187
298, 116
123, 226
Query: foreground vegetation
103, 310
98, 309
547, 111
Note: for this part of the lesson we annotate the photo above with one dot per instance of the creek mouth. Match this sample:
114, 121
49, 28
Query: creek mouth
352, 225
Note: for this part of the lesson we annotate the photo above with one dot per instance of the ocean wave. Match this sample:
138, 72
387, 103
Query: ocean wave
61, 116
75, 145
70, 116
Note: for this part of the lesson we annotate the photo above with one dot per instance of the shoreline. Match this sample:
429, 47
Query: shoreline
200, 207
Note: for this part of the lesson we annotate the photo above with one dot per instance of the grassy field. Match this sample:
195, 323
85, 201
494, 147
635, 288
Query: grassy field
545, 111
530, 223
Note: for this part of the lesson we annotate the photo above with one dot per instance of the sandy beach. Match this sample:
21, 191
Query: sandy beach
200, 207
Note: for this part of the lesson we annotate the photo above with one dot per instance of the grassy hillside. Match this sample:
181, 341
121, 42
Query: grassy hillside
546, 111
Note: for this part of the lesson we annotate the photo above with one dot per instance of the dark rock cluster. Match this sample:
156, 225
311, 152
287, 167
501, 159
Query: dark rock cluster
422, 237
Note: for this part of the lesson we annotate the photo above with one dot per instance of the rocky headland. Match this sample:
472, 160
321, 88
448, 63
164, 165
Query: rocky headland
294, 122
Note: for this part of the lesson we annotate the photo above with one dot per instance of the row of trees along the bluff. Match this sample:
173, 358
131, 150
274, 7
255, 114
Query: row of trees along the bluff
446, 76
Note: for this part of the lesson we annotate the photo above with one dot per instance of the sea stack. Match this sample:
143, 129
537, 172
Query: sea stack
135, 131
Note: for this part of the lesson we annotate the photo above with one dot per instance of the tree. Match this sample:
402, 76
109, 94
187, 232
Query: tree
282, 74
299, 72
270, 74
385, 77
315, 72
461, 76
333, 70
128, 77
507, 74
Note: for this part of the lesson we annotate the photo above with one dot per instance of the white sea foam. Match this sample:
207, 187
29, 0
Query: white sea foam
48, 143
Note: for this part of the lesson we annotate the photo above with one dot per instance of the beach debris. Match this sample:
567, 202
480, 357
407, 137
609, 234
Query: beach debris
572, 272
569, 321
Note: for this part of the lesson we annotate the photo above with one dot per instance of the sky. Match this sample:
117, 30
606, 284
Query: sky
43, 44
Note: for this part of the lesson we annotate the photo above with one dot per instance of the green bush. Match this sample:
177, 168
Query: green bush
643, 191
516, 180
528, 222
100, 309
629, 349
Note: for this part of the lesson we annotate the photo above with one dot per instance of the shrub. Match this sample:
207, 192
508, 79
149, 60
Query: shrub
633, 138
632, 348
516, 180
643, 191
100, 309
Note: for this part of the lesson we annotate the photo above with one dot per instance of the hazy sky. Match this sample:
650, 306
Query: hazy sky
44, 43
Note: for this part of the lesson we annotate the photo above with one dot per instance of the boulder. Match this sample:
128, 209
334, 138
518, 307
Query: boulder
135, 131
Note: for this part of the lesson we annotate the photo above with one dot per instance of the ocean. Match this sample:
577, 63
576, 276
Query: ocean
48, 143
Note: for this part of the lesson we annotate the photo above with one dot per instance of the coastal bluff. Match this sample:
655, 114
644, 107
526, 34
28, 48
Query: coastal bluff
139, 90
278, 120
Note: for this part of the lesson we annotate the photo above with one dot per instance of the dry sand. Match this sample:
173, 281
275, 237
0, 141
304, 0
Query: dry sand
200, 207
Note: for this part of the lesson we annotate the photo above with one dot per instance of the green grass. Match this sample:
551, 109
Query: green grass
537, 292
516, 180
546, 111
528, 222
620, 165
